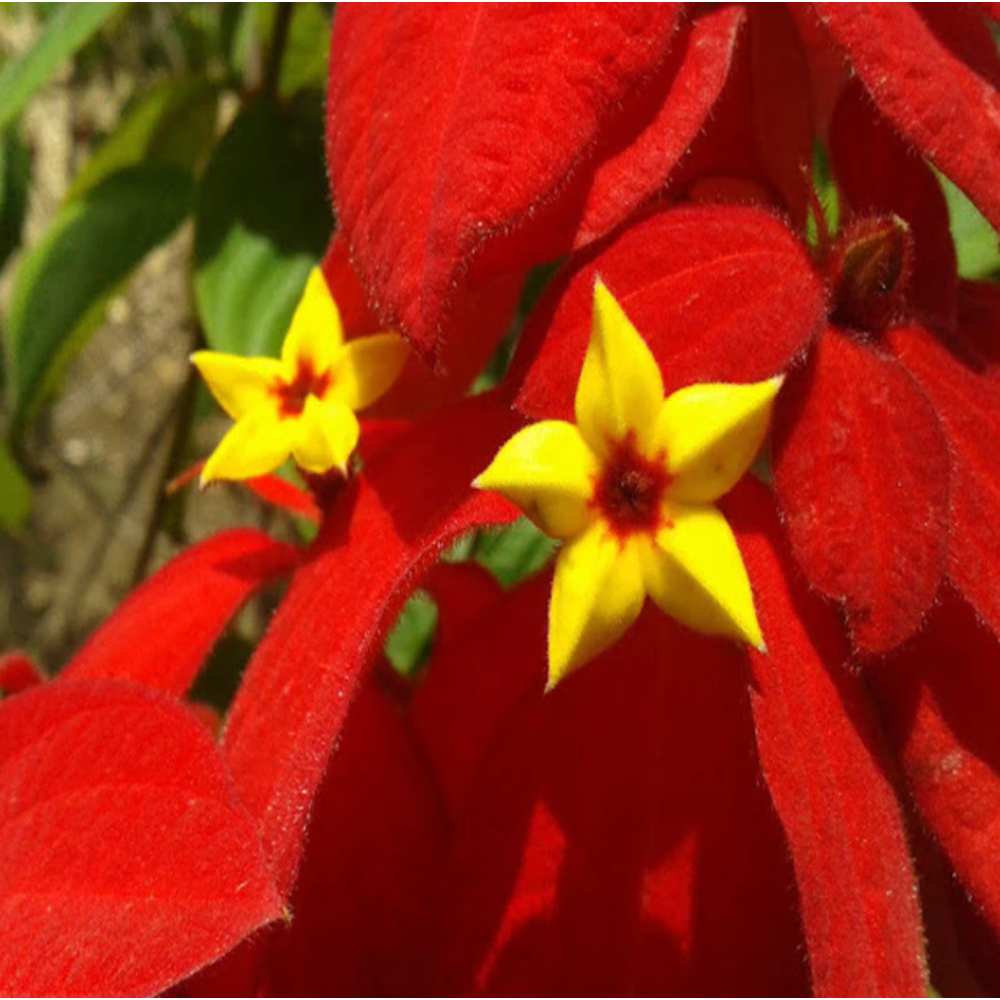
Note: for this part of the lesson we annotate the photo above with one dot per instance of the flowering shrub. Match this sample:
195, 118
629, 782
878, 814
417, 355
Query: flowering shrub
780, 775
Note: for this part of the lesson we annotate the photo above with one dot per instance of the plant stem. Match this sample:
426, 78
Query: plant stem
276, 51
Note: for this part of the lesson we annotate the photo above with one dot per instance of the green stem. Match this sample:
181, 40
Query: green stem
276, 52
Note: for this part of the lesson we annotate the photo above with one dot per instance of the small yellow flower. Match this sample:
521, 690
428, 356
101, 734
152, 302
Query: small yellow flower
630, 488
302, 404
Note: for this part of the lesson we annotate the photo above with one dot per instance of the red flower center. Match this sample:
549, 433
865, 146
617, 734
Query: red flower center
629, 490
292, 395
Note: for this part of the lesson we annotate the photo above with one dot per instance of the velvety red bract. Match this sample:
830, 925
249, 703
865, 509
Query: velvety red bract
759, 144
719, 294
366, 561
978, 321
938, 700
18, 672
127, 860
878, 174
475, 323
862, 469
948, 108
829, 778
163, 632
968, 405
461, 121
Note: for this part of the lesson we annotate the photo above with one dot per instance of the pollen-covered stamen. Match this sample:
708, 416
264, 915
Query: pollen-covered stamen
292, 395
630, 488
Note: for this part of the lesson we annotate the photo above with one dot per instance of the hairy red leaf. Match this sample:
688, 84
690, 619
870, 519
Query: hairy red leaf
979, 323
968, 405
861, 470
126, 860
448, 126
718, 293
762, 129
820, 752
386, 528
473, 328
878, 174
939, 699
937, 101
18, 672
616, 838
163, 631
363, 914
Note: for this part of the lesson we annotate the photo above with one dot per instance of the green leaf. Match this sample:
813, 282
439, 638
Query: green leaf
409, 643
15, 493
64, 282
174, 123
515, 553
977, 245
307, 51
61, 36
262, 221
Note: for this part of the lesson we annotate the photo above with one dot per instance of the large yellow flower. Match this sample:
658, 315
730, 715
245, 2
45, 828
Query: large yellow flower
302, 404
630, 488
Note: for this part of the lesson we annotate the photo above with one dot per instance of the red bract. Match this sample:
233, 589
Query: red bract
503, 133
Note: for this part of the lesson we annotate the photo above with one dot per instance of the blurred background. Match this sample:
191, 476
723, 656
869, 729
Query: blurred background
161, 188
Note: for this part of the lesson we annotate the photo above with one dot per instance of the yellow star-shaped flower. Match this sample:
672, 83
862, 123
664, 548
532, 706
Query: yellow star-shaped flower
630, 488
302, 404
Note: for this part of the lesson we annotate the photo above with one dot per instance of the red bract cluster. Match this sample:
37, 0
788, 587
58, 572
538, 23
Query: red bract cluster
684, 815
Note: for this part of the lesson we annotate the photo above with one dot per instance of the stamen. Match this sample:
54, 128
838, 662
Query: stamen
293, 395
629, 490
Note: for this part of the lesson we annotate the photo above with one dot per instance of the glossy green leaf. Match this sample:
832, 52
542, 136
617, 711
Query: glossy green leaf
63, 283
174, 123
15, 493
65, 32
976, 242
262, 221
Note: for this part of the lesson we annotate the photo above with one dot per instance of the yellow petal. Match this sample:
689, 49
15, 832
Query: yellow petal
711, 434
315, 335
365, 368
695, 573
620, 388
596, 595
325, 437
548, 471
238, 384
256, 444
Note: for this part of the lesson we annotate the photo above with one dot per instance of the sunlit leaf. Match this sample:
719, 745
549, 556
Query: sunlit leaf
262, 221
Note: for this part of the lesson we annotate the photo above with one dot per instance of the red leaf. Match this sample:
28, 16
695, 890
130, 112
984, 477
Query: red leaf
636, 154
861, 469
878, 174
18, 672
473, 328
762, 129
616, 839
363, 909
968, 406
979, 322
486, 664
384, 531
937, 102
940, 698
162, 633
449, 125
125, 860
719, 294
819, 749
